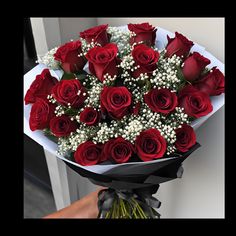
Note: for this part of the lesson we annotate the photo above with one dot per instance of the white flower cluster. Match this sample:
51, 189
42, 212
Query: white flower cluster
63, 146
51, 99
72, 142
59, 110
49, 61
138, 86
168, 132
177, 118
121, 39
132, 129
150, 119
104, 133
109, 79
127, 65
165, 76
170, 149
93, 98
87, 46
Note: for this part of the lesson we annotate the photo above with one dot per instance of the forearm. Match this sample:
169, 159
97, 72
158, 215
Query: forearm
86, 207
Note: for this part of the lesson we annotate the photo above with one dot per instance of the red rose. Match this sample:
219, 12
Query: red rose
88, 153
69, 91
118, 150
186, 138
194, 65
115, 101
144, 32
161, 100
146, 58
213, 83
41, 113
97, 34
90, 116
41, 87
103, 60
195, 102
67, 54
62, 126
150, 145
180, 45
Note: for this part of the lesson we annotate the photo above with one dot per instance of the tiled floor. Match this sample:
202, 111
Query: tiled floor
38, 202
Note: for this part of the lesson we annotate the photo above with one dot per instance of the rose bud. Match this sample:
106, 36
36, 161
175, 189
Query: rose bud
185, 138
118, 150
62, 126
212, 83
146, 58
67, 55
115, 101
90, 116
161, 100
150, 145
195, 103
143, 32
41, 87
180, 46
97, 34
69, 91
41, 113
194, 65
103, 60
88, 153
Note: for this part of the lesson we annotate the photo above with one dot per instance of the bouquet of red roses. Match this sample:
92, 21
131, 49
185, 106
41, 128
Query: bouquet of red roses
122, 109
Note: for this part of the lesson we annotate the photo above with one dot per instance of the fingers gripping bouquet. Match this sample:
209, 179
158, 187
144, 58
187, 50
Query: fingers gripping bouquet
121, 112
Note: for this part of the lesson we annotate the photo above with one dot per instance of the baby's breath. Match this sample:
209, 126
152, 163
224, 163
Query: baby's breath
165, 76
48, 59
87, 46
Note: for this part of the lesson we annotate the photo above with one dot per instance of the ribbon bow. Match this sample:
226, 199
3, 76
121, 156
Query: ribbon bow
141, 197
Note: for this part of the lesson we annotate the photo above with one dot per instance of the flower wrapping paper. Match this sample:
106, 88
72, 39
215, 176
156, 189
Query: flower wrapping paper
115, 169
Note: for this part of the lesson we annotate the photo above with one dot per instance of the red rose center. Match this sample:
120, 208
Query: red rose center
90, 116
91, 154
62, 124
162, 100
117, 99
121, 151
69, 92
149, 146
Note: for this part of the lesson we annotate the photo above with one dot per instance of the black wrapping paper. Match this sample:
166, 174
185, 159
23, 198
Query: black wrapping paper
154, 174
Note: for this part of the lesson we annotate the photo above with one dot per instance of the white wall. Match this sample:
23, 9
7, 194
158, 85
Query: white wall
52, 31
208, 32
70, 27
39, 35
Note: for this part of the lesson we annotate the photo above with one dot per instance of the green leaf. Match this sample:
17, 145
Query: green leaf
205, 71
71, 111
180, 74
47, 132
81, 76
68, 76
148, 84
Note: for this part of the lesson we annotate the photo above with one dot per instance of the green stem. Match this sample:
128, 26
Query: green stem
113, 209
140, 210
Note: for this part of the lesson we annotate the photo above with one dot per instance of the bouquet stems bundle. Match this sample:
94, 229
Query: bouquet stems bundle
115, 204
